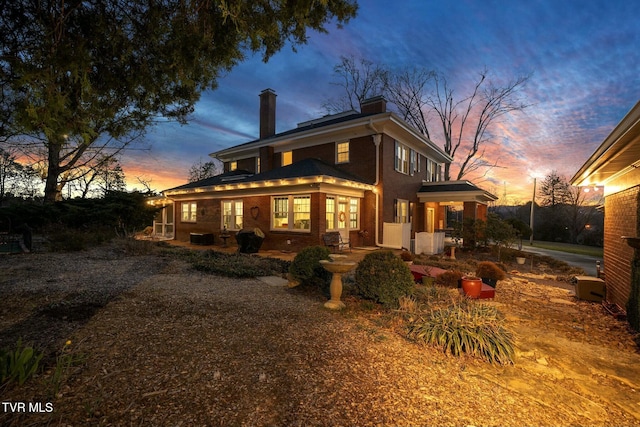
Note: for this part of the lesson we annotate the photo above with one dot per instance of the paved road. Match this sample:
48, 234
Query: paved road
587, 263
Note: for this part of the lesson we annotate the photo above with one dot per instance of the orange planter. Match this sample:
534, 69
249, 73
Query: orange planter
472, 286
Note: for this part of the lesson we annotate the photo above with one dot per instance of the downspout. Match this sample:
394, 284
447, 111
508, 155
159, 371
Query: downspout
377, 139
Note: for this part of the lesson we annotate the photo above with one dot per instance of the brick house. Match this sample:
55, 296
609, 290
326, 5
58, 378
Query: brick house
615, 165
369, 175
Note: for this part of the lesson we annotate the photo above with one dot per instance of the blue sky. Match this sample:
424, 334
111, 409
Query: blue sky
583, 57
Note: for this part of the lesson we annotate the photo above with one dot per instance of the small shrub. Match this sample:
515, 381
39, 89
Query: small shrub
19, 364
406, 256
383, 277
449, 278
475, 329
490, 270
306, 267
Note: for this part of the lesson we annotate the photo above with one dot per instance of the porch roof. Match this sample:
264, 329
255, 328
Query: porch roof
454, 191
307, 168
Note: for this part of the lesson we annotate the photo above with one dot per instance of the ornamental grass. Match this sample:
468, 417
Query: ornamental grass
466, 327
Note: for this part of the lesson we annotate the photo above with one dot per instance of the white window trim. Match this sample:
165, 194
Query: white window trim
401, 161
336, 214
192, 212
233, 210
290, 214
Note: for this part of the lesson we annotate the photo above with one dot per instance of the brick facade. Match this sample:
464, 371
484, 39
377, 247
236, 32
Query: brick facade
620, 219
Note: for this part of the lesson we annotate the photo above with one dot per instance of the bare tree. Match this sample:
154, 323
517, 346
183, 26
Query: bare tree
466, 122
360, 79
407, 90
202, 170
479, 111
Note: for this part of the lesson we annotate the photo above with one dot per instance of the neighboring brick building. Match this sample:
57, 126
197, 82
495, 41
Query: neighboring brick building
615, 165
366, 174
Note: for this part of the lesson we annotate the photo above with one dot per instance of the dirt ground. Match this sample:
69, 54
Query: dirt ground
156, 343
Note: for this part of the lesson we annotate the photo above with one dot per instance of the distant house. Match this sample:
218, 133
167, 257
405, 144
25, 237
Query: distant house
368, 175
615, 165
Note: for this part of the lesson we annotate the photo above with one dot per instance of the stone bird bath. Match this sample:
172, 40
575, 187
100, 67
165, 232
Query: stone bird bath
337, 268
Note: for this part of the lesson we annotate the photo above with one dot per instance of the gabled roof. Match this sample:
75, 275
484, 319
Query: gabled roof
618, 154
454, 191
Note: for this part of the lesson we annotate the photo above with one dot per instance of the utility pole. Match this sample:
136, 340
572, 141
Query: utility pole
533, 202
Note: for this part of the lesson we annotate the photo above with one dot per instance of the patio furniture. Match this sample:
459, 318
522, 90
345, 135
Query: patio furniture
333, 240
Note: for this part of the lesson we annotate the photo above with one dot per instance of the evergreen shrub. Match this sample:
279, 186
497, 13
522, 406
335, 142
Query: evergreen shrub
383, 277
306, 268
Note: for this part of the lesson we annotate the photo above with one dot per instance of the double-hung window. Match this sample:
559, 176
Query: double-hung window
402, 158
433, 171
232, 213
189, 210
291, 213
402, 211
342, 152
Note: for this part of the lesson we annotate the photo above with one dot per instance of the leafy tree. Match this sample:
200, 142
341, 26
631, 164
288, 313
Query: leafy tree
81, 77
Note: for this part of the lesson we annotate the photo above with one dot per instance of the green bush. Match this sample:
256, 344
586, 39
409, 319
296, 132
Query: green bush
19, 364
383, 277
475, 329
306, 268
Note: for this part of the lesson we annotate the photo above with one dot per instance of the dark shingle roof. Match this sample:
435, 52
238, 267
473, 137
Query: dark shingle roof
302, 168
227, 177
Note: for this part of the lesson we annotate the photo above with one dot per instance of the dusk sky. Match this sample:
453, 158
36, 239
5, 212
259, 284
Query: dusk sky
583, 57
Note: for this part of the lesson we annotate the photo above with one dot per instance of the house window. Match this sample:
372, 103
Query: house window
402, 211
301, 212
189, 211
287, 158
232, 211
353, 213
280, 217
433, 171
413, 165
402, 158
342, 152
342, 212
258, 164
291, 213
331, 213
233, 165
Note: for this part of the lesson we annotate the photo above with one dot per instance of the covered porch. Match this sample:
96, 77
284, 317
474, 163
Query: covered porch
439, 200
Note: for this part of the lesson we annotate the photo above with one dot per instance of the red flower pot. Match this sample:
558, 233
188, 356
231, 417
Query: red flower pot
472, 286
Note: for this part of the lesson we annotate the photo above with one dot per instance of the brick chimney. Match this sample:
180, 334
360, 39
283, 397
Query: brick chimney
377, 104
267, 113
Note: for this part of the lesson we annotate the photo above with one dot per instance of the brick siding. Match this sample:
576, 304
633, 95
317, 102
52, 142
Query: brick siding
620, 219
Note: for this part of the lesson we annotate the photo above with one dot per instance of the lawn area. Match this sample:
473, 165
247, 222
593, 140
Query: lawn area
567, 247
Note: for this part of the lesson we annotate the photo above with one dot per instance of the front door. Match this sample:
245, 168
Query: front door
343, 218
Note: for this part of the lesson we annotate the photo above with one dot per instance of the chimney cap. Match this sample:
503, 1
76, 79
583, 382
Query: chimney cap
268, 90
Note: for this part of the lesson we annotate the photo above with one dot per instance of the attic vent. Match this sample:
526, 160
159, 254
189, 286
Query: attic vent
235, 177
326, 118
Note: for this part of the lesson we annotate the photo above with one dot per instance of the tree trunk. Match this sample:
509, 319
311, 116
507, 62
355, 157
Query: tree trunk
53, 191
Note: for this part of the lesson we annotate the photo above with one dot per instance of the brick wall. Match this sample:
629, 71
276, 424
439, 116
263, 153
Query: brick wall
620, 219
